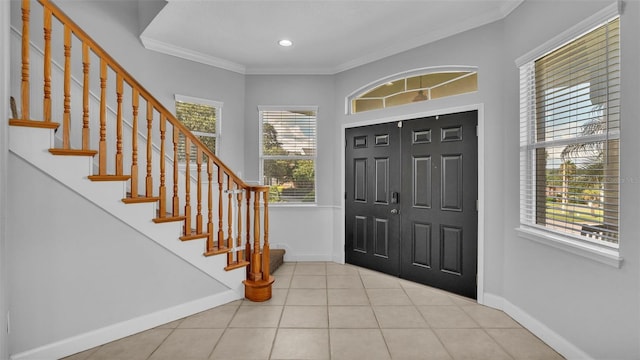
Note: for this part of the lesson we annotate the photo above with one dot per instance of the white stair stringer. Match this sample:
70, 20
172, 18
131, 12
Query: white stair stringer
32, 145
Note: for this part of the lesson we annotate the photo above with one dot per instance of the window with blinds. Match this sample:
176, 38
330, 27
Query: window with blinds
288, 153
569, 137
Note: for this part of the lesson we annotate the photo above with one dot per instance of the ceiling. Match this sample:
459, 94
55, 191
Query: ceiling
328, 36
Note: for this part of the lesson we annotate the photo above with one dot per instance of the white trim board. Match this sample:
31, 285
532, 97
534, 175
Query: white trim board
113, 332
550, 337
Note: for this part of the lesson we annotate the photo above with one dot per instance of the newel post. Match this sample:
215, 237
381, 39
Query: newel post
257, 287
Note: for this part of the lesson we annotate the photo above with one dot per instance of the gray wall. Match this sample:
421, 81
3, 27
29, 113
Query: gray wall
75, 268
594, 306
4, 153
481, 48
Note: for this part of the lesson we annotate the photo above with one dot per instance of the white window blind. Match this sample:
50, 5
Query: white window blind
569, 137
288, 153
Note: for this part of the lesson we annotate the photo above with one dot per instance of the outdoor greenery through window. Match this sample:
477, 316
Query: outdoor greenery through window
570, 119
201, 117
288, 153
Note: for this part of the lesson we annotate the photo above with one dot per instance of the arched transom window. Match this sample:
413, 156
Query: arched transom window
414, 88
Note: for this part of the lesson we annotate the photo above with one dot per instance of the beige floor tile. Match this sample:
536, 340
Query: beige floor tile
188, 344
308, 282
170, 325
347, 297
380, 282
349, 344
257, 316
414, 344
487, 317
447, 317
428, 296
307, 297
339, 269
286, 268
399, 317
304, 317
282, 281
246, 343
388, 297
301, 344
471, 344
344, 282
310, 268
351, 317
138, 346
278, 297
84, 355
216, 318
523, 345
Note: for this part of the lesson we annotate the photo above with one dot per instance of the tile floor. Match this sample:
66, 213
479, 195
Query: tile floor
332, 311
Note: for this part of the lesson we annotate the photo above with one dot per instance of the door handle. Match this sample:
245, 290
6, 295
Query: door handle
394, 211
395, 197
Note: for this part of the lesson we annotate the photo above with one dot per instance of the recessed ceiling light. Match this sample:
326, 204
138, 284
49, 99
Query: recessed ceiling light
285, 42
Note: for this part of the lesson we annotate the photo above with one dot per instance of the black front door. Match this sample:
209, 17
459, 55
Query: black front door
414, 184
373, 223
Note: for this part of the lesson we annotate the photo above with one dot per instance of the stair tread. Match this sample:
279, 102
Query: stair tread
72, 152
236, 265
109, 177
139, 199
34, 123
194, 236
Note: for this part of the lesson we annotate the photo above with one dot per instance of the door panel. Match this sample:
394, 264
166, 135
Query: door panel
371, 229
411, 196
450, 181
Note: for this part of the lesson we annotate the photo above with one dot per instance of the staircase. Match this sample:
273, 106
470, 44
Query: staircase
132, 157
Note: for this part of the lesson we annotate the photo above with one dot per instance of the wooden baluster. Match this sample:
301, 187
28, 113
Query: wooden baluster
66, 119
102, 147
46, 104
256, 261
210, 203
229, 219
149, 177
119, 162
176, 200
187, 186
25, 59
240, 254
199, 185
265, 246
163, 189
248, 233
134, 142
86, 63
220, 224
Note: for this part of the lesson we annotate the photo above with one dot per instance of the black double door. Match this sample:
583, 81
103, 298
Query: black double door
411, 200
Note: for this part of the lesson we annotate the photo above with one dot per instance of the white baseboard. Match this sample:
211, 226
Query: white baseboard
550, 337
110, 333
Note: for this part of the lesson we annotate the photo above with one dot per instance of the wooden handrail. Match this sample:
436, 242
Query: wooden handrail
103, 55
158, 118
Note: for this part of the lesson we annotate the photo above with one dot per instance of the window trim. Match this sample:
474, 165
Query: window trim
261, 156
601, 253
216, 104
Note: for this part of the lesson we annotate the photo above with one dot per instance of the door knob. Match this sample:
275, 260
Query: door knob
394, 211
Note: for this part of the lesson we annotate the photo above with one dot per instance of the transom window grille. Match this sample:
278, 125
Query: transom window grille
202, 117
288, 153
569, 138
415, 88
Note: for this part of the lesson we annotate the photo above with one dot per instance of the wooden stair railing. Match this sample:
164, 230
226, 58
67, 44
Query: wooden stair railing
223, 204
